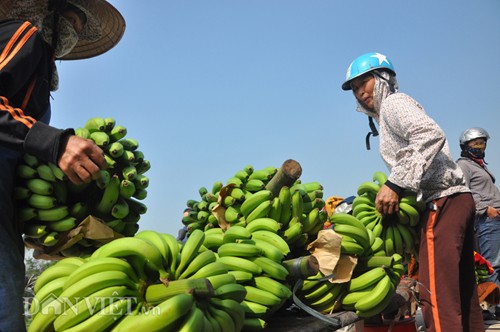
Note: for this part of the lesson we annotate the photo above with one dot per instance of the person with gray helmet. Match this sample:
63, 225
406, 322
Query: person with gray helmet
33, 34
486, 195
416, 152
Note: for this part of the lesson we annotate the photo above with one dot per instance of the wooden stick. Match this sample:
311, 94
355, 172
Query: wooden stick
288, 173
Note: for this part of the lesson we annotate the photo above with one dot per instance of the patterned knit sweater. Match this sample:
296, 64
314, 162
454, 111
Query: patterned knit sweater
416, 151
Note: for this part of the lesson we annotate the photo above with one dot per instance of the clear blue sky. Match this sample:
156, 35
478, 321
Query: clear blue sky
208, 87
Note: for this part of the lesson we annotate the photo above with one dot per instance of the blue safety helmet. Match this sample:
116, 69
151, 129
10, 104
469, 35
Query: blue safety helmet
364, 64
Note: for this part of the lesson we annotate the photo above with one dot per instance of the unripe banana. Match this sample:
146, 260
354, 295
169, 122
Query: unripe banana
233, 308
274, 287
366, 279
53, 214
254, 185
82, 132
232, 291
109, 196
351, 248
254, 201
120, 209
190, 250
232, 215
254, 309
377, 300
293, 232
109, 124
412, 212
267, 224
262, 174
101, 139
261, 211
380, 178
63, 225
211, 270
285, 198
30, 160
127, 157
95, 124
234, 233
271, 268
268, 249
272, 238
239, 250
262, 297
129, 144
241, 276
115, 149
368, 187
358, 234
39, 186
45, 172
240, 264
42, 201
297, 205
200, 261
117, 133
143, 167
127, 188
129, 172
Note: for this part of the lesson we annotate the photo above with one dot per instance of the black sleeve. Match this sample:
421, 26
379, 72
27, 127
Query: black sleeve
24, 71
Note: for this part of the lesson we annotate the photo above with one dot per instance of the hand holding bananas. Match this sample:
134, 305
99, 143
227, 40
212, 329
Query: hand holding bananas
105, 179
81, 159
387, 201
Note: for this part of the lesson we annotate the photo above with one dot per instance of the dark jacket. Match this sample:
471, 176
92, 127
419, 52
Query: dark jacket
25, 72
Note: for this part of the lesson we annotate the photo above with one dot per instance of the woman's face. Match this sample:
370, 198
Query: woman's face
362, 88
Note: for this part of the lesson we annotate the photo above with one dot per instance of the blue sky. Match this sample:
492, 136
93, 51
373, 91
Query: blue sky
208, 87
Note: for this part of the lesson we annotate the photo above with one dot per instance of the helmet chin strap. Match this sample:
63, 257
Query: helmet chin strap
373, 132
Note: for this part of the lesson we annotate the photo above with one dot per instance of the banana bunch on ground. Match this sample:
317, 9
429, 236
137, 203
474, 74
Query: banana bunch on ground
396, 231
149, 281
49, 204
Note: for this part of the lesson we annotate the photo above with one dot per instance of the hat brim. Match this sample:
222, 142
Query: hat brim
112, 27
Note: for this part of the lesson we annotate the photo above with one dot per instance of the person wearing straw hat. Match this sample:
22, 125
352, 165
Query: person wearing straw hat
33, 34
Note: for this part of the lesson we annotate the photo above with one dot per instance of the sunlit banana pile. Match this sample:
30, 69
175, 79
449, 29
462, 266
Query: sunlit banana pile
254, 232
296, 211
49, 204
382, 245
148, 282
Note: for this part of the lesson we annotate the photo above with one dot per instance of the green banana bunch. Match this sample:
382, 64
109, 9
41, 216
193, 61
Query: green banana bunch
397, 231
45, 196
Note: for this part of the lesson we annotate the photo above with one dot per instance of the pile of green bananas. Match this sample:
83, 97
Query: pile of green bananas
243, 198
398, 232
49, 204
382, 245
149, 281
254, 256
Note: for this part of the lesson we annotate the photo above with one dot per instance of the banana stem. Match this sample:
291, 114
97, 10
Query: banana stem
158, 293
302, 267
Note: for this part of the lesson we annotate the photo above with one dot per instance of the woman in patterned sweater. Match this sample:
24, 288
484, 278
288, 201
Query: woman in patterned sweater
417, 154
